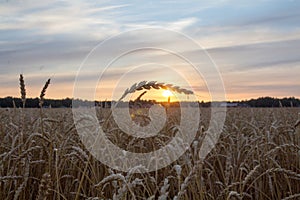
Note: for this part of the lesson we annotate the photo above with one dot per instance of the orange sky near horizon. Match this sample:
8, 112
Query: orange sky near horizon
66, 92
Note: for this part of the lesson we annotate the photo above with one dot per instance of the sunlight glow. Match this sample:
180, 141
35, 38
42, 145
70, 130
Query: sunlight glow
167, 93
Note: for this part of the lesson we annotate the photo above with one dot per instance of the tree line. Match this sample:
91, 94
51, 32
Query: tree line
10, 102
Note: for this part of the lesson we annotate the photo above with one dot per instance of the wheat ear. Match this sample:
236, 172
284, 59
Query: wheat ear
44, 187
22, 89
43, 92
154, 85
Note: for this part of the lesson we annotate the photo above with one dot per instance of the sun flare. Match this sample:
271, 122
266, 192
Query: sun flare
167, 93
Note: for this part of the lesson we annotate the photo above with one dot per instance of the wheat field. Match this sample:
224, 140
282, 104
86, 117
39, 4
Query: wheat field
256, 157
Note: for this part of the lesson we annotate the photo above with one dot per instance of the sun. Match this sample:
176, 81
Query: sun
167, 93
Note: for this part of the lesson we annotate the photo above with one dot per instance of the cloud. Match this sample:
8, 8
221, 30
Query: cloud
182, 24
259, 55
53, 37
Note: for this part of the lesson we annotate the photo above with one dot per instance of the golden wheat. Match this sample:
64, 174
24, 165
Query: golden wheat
256, 157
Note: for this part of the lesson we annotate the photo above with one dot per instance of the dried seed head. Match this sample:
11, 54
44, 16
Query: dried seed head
154, 85
22, 89
43, 92
44, 187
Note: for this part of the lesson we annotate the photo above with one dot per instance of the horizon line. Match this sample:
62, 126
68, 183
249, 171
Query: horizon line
106, 100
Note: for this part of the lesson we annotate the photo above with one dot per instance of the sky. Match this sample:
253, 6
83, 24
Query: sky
254, 45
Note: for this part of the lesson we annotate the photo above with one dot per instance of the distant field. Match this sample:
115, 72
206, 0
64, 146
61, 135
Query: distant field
257, 157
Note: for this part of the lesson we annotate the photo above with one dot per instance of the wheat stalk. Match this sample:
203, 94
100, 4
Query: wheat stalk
140, 96
297, 130
294, 196
24, 183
